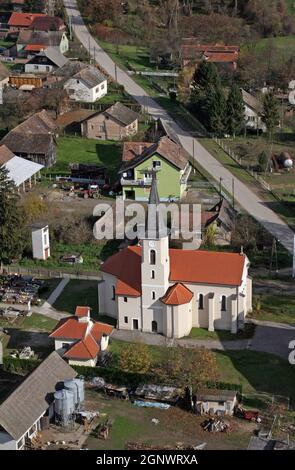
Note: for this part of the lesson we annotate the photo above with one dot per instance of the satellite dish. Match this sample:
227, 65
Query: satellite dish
292, 97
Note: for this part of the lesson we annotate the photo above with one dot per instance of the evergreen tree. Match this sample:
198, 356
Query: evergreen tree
205, 78
11, 219
271, 115
235, 111
216, 108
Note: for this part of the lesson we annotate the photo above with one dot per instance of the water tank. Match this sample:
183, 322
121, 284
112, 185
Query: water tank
76, 386
64, 406
104, 342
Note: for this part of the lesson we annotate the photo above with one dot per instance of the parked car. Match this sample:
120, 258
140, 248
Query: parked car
71, 259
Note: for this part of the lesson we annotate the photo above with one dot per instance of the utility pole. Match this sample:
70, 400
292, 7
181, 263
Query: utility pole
116, 72
233, 192
220, 187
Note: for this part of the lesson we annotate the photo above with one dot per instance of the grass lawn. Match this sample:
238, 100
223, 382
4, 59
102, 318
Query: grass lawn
78, 292
202, 333
79, 150
6, 43
276, 308
38, 322
129, 56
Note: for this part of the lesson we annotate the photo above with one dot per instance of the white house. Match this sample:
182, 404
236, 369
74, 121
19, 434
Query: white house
88, 85
152, 288
46, 61
79, 339
22, 412
253, 112
40, 241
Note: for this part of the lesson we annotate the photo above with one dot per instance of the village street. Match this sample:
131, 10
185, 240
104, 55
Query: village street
244, 196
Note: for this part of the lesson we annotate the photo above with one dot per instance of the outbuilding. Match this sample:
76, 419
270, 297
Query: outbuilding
217, 401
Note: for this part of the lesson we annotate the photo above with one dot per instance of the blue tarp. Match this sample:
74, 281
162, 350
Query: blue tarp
151, 404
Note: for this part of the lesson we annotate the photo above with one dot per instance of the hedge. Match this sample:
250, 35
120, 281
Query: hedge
110, 374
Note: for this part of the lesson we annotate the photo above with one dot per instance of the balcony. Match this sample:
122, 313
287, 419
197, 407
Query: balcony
144, 183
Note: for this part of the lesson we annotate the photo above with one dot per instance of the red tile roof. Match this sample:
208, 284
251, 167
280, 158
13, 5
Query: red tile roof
133, 149
219, 57
191, 266
82, 311
177, 295
35, 47
23, 19
69, 328
100, 329
87, 348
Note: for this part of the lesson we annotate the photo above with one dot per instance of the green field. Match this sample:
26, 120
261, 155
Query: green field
78, 292
203, 333
38, 322
79, 150
275, 308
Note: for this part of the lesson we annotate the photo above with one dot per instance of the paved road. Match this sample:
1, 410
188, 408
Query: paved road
245, 197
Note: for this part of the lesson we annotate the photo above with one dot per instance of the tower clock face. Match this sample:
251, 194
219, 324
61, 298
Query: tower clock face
151, 244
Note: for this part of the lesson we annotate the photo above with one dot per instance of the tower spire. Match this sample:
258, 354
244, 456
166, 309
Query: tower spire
155, 226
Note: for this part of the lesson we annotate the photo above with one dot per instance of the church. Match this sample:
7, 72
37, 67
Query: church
154, 289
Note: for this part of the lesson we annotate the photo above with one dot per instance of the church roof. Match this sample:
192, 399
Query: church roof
177, 295
186, 266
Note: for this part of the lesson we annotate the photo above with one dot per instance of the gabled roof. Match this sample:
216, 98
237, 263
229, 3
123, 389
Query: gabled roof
122, 114
52, 53
31, 136
99, 329
33, 396
177, 295
20, 169
69, 328
90, 76
221, 57
44, 38
186, 266
166, 148
47, 23
5, 154
133, 149
87, 348
23, 19
252, 102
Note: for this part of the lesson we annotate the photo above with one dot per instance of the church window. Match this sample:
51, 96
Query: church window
201, 302
223, 303
152, 257
153, 274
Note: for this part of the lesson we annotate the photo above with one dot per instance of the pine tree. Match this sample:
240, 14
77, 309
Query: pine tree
205, 78
235, 111
270, 112
216, 108
11, 219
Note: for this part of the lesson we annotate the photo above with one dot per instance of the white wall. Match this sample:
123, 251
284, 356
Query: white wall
78, 91
40, 68
130, 309
106, 304
81, 362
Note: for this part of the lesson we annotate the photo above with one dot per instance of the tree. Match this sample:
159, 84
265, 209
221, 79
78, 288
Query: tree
33, 207
270, 112
235, 111
205, 77
216, 108
135, 358
188, 367
11, 220
210, 235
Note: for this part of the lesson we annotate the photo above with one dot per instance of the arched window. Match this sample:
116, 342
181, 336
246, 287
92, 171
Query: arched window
153, 295
152, 257
152, 274
201, 302
113, 293
223, 303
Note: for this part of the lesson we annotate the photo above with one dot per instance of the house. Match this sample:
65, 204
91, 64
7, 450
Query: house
216, 401
88, 85
172, 165
47, 23
48, 60
160, 128
22, 172
34, 139
115, 123
253, 113
79, 339
223, 56
40, 241
19, 21
22, 412
151, 288
33, 42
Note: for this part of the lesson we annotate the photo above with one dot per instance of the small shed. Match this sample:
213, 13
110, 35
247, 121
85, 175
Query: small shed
214, 401
40, 241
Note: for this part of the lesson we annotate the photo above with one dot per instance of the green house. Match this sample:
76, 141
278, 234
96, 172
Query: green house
170, 161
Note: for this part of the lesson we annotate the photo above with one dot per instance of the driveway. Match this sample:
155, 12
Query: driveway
244, 196
273, 339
